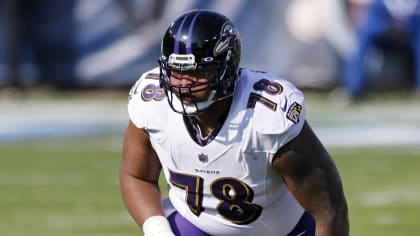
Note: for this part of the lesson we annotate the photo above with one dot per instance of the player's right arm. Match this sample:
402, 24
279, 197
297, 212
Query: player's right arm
139, 175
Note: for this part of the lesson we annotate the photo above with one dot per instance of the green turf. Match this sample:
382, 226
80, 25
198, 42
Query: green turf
70, 187
382, 187
59, 188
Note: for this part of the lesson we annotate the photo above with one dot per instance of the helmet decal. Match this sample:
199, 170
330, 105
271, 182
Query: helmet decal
227, 41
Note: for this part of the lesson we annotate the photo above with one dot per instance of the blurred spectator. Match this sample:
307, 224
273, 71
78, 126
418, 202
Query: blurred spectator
392, 26
321, 38
45, 29
339, 30
356, 11
139, 12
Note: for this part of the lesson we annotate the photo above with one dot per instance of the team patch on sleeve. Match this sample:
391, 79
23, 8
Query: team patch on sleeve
294, 112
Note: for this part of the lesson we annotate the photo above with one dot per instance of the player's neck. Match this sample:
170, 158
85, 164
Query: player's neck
213, 116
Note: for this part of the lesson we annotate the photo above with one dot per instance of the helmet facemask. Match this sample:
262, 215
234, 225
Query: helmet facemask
182, 98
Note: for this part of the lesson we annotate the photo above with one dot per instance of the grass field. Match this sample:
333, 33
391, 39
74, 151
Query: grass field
70, 187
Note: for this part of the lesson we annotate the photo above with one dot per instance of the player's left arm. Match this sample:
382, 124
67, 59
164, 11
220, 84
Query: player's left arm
312, 177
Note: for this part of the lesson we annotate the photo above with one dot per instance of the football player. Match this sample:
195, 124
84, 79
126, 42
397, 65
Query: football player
235, 148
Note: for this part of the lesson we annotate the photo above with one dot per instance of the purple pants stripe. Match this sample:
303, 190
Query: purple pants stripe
182, 227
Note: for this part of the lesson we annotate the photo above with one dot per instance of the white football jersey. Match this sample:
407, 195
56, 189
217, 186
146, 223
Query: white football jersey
228, 186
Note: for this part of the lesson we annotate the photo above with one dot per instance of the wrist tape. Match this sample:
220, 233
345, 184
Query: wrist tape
157, 226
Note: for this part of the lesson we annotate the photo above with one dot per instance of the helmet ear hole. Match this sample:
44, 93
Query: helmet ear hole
202, 43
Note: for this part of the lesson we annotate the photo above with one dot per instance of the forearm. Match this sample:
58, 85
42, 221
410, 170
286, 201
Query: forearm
320, 192
338, 225
326, 204
331, 217
142, 198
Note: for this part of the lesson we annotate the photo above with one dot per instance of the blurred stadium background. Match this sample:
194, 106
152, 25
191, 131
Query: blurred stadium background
60, 142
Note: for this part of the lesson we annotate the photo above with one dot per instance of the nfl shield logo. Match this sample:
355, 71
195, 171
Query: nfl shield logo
203, 158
